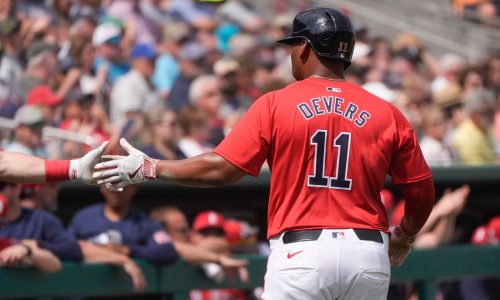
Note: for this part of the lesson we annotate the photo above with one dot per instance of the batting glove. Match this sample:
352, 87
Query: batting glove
400, 246
122, 171
81, 169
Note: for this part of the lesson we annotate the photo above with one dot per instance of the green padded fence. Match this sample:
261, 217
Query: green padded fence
425, 267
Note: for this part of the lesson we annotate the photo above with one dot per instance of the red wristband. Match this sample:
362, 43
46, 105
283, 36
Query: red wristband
56, 170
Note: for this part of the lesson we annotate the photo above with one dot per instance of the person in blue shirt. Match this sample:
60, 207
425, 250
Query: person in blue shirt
32, 236
115, 224
115, 232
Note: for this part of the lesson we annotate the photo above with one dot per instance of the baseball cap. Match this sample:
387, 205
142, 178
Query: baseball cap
38, 47
175, 31
109, 33
208, 219
224, 66
237, 231
43, 95
488, 234
29, 115
143, 51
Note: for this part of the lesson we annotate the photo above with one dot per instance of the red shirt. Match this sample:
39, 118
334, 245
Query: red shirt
329, 146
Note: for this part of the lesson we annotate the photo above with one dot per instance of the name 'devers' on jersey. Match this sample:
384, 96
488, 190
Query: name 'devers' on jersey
330, 104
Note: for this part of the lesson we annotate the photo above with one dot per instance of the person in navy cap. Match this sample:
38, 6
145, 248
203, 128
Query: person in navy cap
133, 93
32, 237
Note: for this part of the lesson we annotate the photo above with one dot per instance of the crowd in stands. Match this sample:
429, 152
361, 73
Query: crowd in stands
173, 77
483, 11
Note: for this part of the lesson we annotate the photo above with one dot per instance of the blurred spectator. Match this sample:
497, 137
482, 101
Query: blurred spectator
190, 66
483, 288
205, 94
434, 148
10, 65
174, 37
139, 27
40, 196
34, 237
80, 76
440, 227
109, 61
493, 73
174, 222
29, 123
44, 98
471, 79
196, 129
473, 137
133, 91
114, 231
242, 238
241, 13
209, 226
42, 66
165, 133
450, 67
118, 226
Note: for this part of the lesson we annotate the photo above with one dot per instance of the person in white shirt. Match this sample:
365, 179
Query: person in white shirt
436, 151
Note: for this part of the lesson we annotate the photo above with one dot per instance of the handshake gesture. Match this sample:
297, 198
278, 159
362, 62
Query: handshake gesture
116, 171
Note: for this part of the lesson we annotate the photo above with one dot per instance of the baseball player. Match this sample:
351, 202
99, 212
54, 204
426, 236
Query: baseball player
329, 145
21, 168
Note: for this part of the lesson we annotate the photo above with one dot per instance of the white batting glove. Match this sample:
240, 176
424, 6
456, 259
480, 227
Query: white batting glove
135, 168
81, 169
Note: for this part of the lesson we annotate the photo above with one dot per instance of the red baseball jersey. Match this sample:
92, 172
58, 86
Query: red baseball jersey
329, 146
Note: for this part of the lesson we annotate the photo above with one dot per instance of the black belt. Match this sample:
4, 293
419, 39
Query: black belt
312, 235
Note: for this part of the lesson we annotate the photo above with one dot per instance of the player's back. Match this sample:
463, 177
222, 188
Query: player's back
332, 145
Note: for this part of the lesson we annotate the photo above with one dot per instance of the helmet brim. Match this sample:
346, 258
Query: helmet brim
291, 40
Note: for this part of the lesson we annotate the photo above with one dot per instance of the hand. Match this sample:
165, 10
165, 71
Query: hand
234, 266
229, 262
82, 168
400, 246
135, 273
13, 255
121, 171
452, 203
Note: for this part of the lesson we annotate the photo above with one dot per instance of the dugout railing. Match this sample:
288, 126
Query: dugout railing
425, 267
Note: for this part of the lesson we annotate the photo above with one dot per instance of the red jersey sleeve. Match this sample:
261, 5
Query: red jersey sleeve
408, 164
247, 145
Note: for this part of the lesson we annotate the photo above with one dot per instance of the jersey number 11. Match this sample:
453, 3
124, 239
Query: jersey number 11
318, 178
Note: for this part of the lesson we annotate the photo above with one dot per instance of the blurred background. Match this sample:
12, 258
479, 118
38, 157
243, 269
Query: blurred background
174, 76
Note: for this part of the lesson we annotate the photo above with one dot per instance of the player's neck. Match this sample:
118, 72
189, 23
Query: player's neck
323, 73
328, 78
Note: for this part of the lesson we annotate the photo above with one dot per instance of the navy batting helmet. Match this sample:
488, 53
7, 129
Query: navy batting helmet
328, 31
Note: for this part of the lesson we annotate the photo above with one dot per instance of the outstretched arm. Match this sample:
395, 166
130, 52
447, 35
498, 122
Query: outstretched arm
21, 168
208, 169
204, 170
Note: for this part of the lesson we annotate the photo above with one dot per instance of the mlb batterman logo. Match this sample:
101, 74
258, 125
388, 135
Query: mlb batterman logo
338, 235
161, 237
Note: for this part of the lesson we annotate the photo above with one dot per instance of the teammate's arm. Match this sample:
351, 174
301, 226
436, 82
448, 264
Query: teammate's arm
21, 168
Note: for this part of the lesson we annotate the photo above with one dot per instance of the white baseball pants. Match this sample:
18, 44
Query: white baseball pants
336, 266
